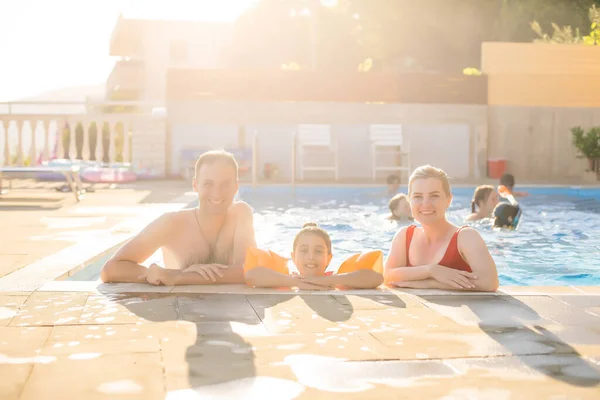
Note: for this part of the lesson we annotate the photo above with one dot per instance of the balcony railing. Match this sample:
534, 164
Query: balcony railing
35, 132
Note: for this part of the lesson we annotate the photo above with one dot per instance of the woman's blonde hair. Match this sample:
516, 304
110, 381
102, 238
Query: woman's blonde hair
315, 229
481, 194
427, 171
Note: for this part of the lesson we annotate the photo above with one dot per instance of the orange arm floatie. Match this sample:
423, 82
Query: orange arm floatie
260, 258
370, 260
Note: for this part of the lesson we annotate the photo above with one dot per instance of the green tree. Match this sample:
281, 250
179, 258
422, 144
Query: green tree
568, 35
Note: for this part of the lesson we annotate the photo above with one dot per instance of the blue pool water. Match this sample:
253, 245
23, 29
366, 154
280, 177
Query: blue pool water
557, 243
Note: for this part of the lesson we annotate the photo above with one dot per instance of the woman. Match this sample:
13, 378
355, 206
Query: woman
484, 200
438, 255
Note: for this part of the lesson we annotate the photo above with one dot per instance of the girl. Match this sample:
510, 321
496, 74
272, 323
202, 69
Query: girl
484, 200
311, 253
438, 255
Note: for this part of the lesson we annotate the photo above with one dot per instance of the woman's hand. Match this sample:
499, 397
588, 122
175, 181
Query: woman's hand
453, 277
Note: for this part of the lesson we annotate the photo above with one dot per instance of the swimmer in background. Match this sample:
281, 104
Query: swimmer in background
393, 184
507, 215
508, 181
311, 253
400, 208
484, 200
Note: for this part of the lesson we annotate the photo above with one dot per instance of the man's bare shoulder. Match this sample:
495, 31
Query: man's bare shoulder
240, 209
174, 219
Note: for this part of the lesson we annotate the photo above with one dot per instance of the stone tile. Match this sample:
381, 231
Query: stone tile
300, 314
581, 301
131, 288
9, 307
129, 309
10, 263
14, 377
22, 342
485, 311
537, 290
439, 292
235, 289
15, 292
578, 340
216, 307
537, 377
575, 375
103, 332
593, 310
380, 291
92, 376
210, 329
50, 309
557, 311
347, 345
378, 302
330, 374
74, 341
589, 289
491, 342
400, 320
70, 286
200, 380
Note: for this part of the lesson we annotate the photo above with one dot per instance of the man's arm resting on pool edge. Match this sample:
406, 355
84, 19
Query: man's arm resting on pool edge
124, 266
199, 274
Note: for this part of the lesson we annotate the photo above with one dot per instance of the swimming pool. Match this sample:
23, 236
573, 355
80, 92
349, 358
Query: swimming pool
557, 243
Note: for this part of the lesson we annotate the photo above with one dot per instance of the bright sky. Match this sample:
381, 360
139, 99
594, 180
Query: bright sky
51, 44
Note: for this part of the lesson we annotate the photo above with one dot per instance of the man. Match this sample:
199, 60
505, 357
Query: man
203, 245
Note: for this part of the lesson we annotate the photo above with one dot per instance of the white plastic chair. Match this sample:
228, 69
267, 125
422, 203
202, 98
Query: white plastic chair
388, 140
316, 138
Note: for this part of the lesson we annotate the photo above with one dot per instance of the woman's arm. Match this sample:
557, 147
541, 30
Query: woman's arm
474, 251
395, 266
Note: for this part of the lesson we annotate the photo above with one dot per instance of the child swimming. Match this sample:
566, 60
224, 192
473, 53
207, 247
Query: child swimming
507, 215
311, 253
400, 208
484, 200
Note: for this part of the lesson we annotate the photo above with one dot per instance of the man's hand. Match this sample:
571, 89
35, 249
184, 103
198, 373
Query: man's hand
154, 275
207, 271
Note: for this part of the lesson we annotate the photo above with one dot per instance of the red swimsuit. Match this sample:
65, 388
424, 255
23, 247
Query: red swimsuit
452, 258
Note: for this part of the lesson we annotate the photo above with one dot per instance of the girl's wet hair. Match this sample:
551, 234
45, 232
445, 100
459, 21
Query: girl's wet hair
481, 194
315, 229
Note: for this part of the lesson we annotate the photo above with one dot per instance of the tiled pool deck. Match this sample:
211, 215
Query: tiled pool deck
86, 340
